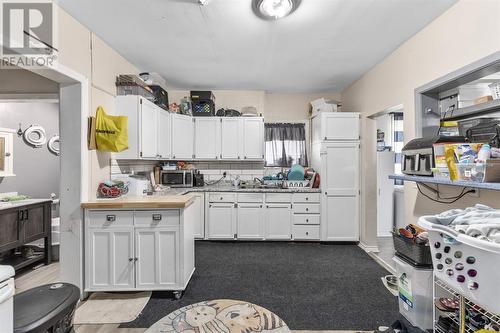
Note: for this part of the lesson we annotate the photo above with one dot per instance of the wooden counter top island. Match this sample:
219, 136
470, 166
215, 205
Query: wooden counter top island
144, 202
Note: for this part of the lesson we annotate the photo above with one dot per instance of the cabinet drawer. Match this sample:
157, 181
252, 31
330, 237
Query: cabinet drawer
306, 197
110, 218
306, 219
306, 208
278, 197
150, 218
306, 232
222, 197
250, 197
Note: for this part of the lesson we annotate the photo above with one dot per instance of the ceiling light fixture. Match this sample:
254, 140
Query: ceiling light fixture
274, 9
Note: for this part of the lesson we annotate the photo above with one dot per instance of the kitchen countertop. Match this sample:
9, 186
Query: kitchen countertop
226, 188
19, 203
171, 201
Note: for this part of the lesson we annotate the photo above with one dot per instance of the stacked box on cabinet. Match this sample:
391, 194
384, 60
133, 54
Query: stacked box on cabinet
203, 103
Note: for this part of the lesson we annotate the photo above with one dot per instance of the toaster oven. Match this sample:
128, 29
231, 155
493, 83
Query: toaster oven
177, 178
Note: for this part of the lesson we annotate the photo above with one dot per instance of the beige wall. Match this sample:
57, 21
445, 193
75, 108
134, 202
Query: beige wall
468, 31
21, 81
85, 53
292, 107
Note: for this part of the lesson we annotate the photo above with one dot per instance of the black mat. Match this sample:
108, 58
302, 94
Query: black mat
310, 286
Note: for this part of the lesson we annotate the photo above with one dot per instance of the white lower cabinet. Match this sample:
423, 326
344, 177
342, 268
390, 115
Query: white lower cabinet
110, 258
157, 257
250, 221
221, 220
341, 215
139, 249
277, 220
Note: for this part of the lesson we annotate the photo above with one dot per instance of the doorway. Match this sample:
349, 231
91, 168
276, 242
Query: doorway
389, 143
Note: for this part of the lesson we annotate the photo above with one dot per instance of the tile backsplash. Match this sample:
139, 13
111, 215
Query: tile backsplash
213, 170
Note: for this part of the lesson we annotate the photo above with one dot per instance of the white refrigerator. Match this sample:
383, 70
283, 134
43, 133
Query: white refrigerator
336, 154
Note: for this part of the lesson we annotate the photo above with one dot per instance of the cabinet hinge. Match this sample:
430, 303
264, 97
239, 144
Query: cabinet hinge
140, 100
194, 120
235, 205
291, 205
235, 236
140, 154
193, 155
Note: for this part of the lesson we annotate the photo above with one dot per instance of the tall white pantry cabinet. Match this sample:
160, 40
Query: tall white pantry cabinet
336, 155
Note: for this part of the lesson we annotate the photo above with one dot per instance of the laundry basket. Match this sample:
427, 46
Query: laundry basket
469, 265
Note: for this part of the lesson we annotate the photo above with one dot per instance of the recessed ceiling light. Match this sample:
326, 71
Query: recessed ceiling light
274, 9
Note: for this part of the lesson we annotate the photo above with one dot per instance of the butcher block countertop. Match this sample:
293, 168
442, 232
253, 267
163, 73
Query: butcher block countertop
153, 202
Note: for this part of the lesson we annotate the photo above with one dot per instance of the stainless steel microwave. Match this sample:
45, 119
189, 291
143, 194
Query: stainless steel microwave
177, 178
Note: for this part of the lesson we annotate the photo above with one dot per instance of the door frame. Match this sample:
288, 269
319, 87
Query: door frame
75, 164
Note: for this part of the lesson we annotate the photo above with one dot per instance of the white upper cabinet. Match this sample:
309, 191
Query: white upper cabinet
182, 137
253, 138
336, 126
149, 129
148, 124
164, 129
207, 138
230, 138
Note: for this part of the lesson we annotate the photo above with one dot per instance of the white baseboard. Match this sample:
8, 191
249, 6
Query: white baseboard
368, 248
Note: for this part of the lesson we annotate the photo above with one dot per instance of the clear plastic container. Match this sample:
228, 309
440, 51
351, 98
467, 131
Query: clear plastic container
473, 172
415, 293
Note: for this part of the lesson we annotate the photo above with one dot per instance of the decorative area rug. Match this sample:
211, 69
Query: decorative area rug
111, 308
311, 286
220, 316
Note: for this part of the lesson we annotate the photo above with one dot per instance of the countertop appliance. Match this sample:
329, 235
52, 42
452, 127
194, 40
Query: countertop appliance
138, 185
418, 154
7, 291
199, 179
177, 178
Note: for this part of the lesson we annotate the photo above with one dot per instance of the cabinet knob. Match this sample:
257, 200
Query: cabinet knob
307, 198
220, 198
307, 220
130, 259
111, 218
7, 154
307, 209
307, 233
135, 259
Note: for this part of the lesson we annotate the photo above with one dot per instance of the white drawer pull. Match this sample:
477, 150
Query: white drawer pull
156, 217
110, 218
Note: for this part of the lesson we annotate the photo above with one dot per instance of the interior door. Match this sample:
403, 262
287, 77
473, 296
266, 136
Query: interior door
221, 221
182, 137
34, 224
278, 224
164, 134
250, 221
230, 138
149, 141
157, 261
9, 229
110, 259
207, 138
253, 138
340, 126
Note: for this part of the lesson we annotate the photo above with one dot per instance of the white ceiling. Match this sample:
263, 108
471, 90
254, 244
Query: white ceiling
323, 46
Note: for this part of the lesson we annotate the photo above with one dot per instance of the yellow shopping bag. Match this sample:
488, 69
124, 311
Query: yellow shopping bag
111, 132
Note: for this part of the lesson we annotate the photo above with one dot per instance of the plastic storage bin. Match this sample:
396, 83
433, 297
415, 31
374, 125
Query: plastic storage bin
418, 255
415, 293
469, 265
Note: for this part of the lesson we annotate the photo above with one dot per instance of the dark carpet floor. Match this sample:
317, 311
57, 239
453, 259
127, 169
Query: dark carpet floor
311, 286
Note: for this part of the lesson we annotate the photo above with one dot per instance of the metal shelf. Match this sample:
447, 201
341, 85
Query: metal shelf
474, 110
432, 180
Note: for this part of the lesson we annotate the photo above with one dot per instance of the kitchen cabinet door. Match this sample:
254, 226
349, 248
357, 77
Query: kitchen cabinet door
164, 131
110, 259
278, 221
231, 138
340, 168
341, 218
148, 130
182, 137
253, 138
250, 221
157, 259
207, 138
9, 229
340, 126
221, 221
199, 208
